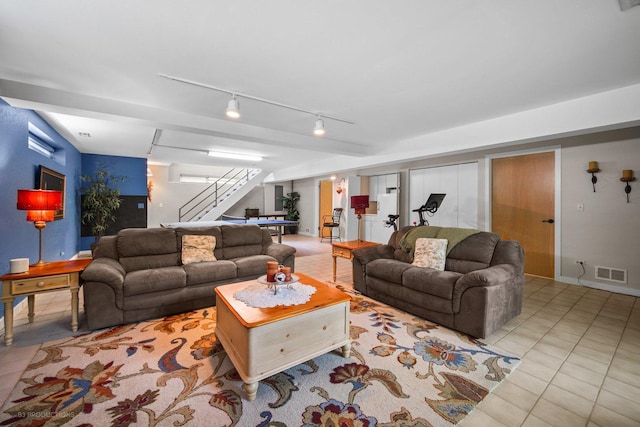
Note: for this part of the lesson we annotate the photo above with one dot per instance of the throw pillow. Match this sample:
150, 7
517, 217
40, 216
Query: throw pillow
198, 248
430, 253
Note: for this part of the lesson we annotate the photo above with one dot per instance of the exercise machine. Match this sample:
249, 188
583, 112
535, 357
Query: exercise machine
430, 207
391, 222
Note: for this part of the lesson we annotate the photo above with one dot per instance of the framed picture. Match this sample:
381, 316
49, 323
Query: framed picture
52, 180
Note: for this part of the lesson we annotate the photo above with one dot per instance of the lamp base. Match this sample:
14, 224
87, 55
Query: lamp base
40, 263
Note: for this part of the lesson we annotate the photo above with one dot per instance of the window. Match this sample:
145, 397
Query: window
38, 141
279, 192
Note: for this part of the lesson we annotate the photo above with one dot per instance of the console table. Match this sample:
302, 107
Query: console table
345, 249
53, 276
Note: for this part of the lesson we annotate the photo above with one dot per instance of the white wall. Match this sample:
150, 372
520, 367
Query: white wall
607, 232
167, 197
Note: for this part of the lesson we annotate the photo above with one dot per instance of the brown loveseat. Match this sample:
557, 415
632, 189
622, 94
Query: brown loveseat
139, 275
479, 290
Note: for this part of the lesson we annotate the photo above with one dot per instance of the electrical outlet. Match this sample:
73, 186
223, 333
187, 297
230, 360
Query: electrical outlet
581, 262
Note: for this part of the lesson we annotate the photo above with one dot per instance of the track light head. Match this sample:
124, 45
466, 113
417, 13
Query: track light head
233, 108
319, 129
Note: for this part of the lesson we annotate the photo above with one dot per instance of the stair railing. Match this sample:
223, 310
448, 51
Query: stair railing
214, 194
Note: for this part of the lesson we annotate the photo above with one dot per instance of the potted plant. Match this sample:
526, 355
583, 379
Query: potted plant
289, 203
100, 200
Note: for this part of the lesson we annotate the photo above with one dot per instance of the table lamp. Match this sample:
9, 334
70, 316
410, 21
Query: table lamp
40, 206
359, 204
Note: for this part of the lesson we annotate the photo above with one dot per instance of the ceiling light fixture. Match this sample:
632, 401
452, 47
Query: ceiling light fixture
233, 108
319, 129
235, 156
233, 103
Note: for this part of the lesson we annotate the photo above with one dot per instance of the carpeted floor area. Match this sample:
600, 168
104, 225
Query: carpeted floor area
166, 372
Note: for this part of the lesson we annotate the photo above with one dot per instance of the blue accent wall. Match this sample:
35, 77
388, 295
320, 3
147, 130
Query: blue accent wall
19, 169
133, 168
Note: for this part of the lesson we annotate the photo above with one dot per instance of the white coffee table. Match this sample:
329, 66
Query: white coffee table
264, 341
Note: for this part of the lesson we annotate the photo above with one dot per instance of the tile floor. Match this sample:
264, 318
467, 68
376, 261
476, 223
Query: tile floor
580, 350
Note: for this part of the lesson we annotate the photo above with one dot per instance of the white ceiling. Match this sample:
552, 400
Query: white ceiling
418, 78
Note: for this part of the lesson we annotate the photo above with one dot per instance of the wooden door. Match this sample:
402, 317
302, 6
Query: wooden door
522, 207
326, 202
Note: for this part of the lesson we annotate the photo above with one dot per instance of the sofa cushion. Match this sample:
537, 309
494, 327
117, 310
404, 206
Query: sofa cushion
107, 247
478, 247
430, 281
430, 253
154, 280
241, 240
145, 248
210, 271
197, 248
146, 241
387, 269
255, 265
397, 292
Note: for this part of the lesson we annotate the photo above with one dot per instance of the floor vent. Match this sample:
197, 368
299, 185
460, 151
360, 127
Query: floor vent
613, 274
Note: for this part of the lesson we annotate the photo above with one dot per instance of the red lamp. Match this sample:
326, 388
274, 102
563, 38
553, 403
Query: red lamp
40, 206
359, 204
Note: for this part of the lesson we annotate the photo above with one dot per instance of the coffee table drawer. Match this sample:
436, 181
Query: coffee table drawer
262, 351
38, 284
297, 339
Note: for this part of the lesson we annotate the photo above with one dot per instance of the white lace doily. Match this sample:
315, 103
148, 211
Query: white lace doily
260, 296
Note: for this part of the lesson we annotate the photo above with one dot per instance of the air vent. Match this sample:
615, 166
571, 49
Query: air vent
613, 274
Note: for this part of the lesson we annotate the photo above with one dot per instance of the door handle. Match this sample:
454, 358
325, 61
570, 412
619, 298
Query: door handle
550, 220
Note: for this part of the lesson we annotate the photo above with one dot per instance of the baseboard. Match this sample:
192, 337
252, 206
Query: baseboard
83, 254
602, 286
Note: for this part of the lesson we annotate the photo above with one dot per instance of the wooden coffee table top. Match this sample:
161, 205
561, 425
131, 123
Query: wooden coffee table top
353, 244
252, 317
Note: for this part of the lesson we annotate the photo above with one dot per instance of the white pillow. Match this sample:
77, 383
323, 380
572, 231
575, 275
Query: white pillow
198, 248
430, 253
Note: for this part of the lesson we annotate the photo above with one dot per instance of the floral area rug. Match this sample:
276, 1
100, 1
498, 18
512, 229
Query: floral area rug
403, 371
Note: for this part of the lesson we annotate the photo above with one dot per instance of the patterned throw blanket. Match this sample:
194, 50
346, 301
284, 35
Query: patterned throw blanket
452, 234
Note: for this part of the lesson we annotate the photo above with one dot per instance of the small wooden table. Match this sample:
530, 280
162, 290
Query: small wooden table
345, 249
264, 341
53, 276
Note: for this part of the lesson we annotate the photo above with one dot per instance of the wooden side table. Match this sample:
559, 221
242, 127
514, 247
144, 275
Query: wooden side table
53, 276
345, 249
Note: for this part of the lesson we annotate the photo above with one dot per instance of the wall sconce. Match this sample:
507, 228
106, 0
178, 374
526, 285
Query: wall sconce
627, 176
339, 189
593, 169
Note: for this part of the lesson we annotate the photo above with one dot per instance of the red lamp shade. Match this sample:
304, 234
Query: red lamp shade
39, 200
359, 204
40, 215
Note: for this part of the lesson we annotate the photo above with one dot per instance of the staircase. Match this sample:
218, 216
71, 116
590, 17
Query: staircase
219, 197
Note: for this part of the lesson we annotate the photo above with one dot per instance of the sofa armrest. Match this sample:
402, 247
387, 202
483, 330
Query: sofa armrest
497, 275
279, 251
369, 253
105, 270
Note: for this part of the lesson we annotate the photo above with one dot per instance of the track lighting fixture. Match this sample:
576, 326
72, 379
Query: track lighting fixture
319, 129
233, 108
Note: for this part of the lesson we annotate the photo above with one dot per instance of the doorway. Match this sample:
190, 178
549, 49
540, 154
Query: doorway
326, 202
523, 207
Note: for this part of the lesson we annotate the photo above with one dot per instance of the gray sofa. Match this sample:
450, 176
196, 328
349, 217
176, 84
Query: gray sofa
479, 290
138, 274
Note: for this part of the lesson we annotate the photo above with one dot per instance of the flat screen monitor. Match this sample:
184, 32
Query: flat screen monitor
433, 202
